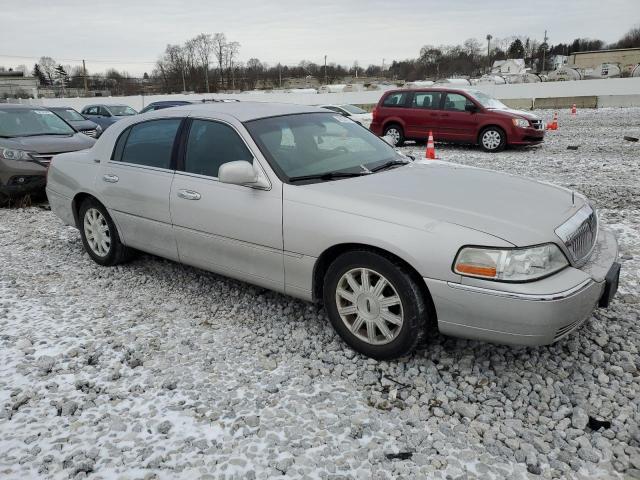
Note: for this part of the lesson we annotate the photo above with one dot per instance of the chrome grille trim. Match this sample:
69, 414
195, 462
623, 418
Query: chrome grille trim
579, 234
537, 124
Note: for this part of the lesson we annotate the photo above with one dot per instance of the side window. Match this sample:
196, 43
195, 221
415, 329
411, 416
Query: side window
428, 100
210, 144
397, 99
92, 111
456, 102
148, 143
103, 111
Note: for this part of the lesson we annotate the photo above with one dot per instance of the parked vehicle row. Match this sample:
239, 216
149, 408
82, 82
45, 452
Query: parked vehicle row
306, 202
454, 115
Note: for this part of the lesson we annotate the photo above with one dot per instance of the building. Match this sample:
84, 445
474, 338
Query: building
557, 61
626, 58
513, 66
16, 84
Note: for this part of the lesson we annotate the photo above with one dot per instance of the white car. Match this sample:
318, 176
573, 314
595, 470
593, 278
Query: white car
356, 114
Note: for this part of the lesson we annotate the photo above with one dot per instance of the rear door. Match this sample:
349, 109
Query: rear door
423, 115
456, 124
135, 184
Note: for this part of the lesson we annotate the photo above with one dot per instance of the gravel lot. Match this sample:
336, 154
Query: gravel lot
154, 370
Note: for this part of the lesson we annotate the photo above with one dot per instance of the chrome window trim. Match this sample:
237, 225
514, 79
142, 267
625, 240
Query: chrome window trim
532, 297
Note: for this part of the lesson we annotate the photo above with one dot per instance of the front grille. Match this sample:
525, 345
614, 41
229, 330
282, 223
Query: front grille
579, 233
537, 124
92, 133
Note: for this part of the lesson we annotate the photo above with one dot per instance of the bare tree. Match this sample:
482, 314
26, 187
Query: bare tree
204, 47
231, 52
220, 51
48, 67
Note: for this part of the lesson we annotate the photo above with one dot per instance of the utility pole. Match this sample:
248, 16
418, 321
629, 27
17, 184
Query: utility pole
326, 81
84, 74
544, 50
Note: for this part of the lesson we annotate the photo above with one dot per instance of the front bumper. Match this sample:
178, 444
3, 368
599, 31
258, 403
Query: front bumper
525, 136
21, 178
536, 313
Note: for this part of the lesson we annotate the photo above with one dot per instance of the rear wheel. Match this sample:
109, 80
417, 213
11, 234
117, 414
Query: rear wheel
375, 304
396, 133
100, 236
492, 139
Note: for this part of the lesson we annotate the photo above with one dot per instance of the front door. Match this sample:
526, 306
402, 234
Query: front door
456, 124
229, 229
135, 183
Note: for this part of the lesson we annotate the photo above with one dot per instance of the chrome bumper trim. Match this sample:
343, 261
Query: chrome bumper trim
524, 296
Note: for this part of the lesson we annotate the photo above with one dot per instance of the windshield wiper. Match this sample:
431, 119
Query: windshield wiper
389, 164
46, 134
328, 176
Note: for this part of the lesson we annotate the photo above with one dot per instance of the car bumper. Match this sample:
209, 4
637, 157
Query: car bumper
536, 313
20, 178
526, 136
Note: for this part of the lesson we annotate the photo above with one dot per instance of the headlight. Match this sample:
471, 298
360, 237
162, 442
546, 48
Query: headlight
510, 264
12, 154
520, 122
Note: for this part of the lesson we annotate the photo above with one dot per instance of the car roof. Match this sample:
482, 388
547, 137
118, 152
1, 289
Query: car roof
19, 106
176, 102
431, 88
246, 111
57, 107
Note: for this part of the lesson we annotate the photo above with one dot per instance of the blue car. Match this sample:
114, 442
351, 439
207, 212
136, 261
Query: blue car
107, 115
164, 104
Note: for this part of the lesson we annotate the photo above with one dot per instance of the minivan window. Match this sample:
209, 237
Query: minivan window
428, 100
397, 99
149, 143
31, 123
456, 102
210, 144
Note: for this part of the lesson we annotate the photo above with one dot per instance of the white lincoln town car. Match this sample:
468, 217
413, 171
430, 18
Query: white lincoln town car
308, 203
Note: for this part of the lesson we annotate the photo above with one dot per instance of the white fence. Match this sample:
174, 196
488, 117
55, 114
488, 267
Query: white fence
627, 89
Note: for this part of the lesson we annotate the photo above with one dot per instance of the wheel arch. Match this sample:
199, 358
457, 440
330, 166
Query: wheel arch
330, 254
394, 121
494, 125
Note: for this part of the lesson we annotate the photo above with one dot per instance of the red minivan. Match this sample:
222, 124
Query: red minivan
454, 115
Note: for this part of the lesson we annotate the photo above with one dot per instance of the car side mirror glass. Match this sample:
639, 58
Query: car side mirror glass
471, 108
241, 172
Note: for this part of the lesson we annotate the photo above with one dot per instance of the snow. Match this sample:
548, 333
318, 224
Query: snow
94, 361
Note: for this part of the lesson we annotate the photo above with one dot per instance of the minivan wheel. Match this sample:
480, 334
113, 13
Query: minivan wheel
493, 139
100, 236
374, 304
395, 132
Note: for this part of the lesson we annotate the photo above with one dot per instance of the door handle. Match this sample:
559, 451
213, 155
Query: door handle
110, 178
189, 195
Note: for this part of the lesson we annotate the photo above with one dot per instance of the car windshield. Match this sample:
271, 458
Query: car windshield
29, 123
319, 144
69, 114
353, 109
485, 100
121, 110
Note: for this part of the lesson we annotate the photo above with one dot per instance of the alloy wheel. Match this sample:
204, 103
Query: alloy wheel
96, 231
369, 306
394, 134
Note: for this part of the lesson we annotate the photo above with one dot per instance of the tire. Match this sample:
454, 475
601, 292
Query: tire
492, 139
358, 318
394, 130
100, 236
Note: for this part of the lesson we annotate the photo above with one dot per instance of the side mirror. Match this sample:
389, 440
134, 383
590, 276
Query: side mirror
471, 108
241, 172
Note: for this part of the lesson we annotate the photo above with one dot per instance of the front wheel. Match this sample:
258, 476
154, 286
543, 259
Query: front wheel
493, 139
100, 236
395, 133
375, 304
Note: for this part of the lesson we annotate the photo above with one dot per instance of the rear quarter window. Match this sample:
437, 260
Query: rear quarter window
398, 99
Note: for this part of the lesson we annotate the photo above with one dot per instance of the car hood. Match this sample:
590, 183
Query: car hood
515, 209
49, 143
83, 125
510, 113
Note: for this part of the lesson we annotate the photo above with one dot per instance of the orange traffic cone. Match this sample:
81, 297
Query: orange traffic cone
431, 149
574, 110
554, 124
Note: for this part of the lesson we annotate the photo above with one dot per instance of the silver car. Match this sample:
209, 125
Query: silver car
308, 203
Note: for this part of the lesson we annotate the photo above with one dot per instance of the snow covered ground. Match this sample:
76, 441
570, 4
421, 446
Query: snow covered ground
154, 370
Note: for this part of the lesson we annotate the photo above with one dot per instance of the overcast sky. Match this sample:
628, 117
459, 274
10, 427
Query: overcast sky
131, 34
